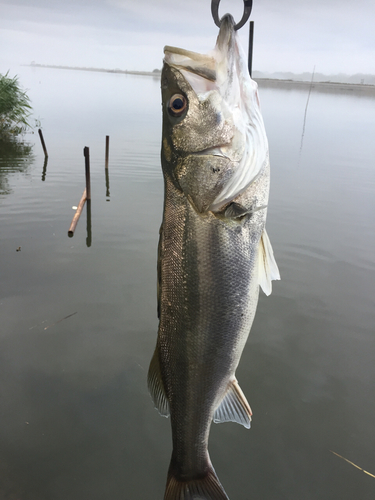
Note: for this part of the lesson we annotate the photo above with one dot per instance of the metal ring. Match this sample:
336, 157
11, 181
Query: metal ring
248, 4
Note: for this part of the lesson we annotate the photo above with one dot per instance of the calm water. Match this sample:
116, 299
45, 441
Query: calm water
76, 419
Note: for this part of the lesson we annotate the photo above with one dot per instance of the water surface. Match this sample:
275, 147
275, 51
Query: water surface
76, 419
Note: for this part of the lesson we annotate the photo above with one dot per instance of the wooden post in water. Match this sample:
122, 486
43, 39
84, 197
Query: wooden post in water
86, 154
251, 38
43, 143
77, 215
86, 194
106, 150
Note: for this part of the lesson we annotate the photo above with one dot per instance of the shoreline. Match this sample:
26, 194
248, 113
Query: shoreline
97, 70
319, 86
263, 82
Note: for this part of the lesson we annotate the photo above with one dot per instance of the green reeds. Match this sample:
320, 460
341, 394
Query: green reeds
15, 107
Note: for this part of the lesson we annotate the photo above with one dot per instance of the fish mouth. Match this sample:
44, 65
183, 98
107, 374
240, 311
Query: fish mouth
204, 65
201, 65
206, 72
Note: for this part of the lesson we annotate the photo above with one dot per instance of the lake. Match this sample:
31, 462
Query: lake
78, 315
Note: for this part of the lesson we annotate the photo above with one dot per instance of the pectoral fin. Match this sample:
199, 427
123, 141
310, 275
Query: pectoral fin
237, 211
268, 269
234, 407
156, 386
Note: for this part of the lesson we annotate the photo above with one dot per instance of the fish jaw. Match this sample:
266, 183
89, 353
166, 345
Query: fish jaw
222, 112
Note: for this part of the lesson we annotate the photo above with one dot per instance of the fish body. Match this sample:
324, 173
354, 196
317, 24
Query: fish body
213, 251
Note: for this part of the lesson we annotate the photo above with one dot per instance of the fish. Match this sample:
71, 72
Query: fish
213, 252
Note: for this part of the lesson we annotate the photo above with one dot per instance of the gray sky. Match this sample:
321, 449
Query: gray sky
291, 35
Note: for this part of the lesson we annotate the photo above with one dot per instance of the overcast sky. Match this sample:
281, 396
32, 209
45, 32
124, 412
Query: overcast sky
290, 35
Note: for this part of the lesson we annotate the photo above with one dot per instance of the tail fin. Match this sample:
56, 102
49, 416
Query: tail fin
203, 488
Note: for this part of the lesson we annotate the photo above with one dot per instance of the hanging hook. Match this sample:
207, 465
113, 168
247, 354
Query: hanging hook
248, 4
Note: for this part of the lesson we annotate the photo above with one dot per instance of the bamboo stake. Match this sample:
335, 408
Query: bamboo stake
77, 215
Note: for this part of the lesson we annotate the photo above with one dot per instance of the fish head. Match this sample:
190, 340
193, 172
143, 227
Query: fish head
214, 143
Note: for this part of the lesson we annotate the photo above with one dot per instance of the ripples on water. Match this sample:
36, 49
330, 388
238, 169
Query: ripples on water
76, 417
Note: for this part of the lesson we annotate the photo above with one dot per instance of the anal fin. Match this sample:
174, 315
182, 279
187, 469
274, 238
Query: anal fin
234, 407
156, 386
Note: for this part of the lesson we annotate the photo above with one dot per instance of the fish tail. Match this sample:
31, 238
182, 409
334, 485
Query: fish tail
201, 488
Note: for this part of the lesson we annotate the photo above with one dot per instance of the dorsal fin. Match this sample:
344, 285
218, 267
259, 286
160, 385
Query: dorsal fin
233, 407
268, 269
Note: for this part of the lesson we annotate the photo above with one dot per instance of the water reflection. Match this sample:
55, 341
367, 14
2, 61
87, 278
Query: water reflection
107, 184
88, 223
15, 156
45, 168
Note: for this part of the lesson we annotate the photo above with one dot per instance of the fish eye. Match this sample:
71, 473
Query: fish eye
177, 105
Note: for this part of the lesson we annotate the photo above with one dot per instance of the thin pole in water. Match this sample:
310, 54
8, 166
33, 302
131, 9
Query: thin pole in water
106, 150
86, 154
43, 143
304, 118
251, 38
